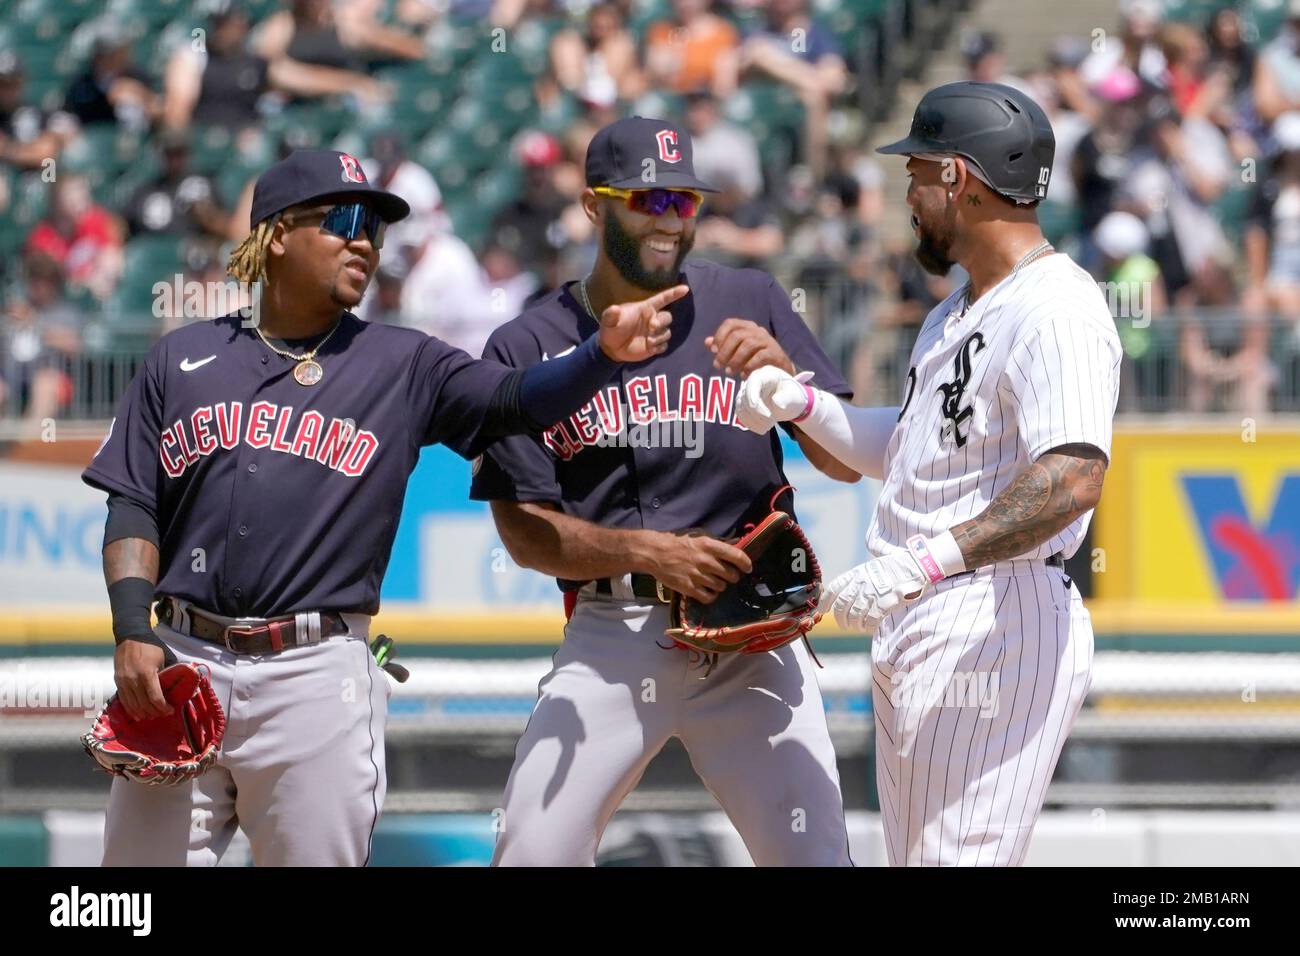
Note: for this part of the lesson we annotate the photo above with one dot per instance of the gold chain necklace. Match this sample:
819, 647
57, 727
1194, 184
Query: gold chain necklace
308, 370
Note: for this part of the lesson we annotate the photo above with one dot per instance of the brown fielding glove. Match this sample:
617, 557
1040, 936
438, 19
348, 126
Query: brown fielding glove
768, 608
162, 750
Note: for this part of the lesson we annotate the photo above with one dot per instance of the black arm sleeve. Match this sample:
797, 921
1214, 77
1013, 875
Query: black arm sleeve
127, 518
534, 399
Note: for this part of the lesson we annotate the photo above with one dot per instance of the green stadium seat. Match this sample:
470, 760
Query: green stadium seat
210, 149
261, 9
1058, 220
421, 99
530, 43
766, 109
558, 117
149, 259
647, 12
470, 221
1267, 16
1230, 209
499, 186
149, 13
1195, 12
103, 144
68, 13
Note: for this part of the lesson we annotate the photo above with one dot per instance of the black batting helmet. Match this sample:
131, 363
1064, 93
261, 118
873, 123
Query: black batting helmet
998, 128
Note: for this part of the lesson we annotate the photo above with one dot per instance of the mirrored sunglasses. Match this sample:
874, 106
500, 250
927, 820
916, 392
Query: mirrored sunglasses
656, 202
349, 220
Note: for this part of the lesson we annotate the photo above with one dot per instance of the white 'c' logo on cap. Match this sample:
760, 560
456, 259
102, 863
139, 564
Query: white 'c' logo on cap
668, 151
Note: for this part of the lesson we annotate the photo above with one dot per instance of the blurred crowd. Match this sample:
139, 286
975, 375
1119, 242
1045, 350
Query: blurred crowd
1177, 176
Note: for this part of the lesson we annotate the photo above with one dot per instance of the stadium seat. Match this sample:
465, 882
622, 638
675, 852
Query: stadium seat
67, 13
562, 114
765, 109
470, 221
646, 13
530, 43
1230, 210
149, 259
499, 186
1267, 17
210, 149
150, 13
102, 152
1058, 220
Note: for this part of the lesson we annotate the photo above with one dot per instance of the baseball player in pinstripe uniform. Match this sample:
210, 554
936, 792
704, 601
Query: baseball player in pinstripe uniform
991, 469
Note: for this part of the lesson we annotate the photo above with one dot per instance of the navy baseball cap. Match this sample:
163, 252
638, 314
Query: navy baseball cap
307, 174
618, 154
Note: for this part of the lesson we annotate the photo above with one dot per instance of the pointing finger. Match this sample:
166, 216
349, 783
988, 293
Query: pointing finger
667, 297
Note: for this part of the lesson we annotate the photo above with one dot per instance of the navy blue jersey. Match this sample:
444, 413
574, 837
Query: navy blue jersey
659, 447
271, 497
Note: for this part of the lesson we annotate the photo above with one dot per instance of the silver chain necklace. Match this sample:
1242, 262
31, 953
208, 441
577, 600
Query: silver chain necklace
1037, 252
586, 302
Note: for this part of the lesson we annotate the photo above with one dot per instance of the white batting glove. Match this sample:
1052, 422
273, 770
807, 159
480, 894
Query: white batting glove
772, 395
861, 597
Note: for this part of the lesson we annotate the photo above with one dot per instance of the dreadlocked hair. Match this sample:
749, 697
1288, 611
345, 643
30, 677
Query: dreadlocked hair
248, 261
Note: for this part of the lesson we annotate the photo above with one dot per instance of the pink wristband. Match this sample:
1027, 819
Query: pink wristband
811, 397
920, 549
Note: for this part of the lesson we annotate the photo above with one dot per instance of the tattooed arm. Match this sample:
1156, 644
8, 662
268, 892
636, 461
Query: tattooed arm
1057, 488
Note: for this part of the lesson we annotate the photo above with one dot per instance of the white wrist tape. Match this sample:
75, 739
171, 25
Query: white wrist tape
939, 557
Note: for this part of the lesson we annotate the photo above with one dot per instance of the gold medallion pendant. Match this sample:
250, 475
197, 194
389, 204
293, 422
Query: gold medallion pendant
308, 372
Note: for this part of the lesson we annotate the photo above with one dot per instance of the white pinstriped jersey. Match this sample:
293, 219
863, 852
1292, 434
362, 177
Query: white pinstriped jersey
1033, 364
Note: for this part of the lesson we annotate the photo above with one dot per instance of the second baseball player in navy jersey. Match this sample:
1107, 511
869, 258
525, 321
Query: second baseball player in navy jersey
621, 509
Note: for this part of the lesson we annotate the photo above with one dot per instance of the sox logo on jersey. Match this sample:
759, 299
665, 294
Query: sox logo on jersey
953, 392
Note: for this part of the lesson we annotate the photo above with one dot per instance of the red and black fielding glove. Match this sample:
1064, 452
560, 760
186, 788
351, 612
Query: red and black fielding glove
769, 607
162, 750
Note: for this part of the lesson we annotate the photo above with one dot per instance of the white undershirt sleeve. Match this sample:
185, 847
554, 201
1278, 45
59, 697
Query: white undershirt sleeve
856, 436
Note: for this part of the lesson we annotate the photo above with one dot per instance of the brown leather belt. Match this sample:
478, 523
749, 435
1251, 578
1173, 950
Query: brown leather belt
268, 637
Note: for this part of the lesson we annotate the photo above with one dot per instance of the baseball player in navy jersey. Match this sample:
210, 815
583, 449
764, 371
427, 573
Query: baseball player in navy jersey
603, 509
255, 474
991, 469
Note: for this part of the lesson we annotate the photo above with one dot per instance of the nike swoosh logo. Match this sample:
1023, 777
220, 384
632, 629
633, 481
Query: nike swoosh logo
188, 366
547, 358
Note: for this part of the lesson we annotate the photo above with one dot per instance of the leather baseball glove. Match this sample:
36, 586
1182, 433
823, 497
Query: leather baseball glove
774, 604
162, 750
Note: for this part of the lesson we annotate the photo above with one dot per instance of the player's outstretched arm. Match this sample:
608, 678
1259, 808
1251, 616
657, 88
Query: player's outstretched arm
855, 436
540, 537
534, 399
1046, 497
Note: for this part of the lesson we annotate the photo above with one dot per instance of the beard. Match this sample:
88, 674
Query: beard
934, 249
624, 250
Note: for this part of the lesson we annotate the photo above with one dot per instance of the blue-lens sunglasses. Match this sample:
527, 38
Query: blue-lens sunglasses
349, 220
